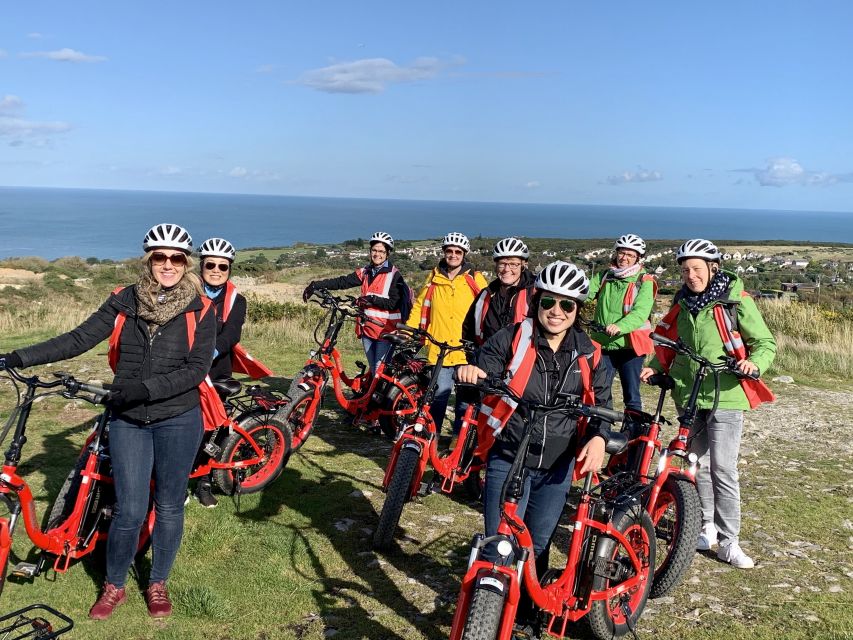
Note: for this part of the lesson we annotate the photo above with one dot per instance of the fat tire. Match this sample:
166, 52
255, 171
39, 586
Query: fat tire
399, 490
388, 421
637, 523
291, 415
260, 476
673, 558
63, 504
485, 612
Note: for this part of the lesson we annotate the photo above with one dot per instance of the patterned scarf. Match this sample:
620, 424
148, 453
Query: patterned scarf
625, 272
695, 302
157, 305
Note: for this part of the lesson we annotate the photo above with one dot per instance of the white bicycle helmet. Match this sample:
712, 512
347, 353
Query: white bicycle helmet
217, 248
699, 248
167, 236
631, 241
564, 278
510, 248
456, 239
384, 238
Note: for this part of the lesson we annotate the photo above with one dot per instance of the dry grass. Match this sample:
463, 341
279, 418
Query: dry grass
812, 341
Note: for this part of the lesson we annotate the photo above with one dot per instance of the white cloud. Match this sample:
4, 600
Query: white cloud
170, 170
3, 53
238, 172
64, 55
640, 175
265, 68
10, 103
372, 75
533, 184
784, 171
35, 35
16, 127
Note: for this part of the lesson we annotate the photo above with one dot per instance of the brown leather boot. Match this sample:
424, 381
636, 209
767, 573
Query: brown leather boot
111, 597
157, 598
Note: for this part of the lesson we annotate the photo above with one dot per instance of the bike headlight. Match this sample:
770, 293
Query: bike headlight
692, 458
504, 548
419, 427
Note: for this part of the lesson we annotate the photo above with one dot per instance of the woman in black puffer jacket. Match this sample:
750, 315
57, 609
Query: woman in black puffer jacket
156, 424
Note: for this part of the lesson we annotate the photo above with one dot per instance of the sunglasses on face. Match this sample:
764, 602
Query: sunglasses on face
454, 252
210, 266
177, 259
547, 302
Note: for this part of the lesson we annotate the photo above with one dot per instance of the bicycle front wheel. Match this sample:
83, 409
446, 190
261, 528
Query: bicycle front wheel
677, 517
273, 437
399, 490
616, 616
484, 615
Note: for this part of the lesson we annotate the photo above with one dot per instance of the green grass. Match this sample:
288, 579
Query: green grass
295, 561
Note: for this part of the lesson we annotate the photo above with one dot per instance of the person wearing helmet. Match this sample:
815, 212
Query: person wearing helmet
625, 295
713, 315
156, 423
505, 300
440, 308
217, 258
546, 355
382, 297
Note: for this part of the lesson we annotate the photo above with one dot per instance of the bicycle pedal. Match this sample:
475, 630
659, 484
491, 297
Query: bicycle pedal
212, 450
25, 570
606, 569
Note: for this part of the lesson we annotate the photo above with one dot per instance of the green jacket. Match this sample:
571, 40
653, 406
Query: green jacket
608, 308
701, 334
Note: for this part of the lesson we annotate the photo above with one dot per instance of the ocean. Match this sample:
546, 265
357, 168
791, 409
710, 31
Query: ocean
52, 223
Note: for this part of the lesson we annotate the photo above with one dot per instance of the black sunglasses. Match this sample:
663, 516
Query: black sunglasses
546, 302
210, 266
177, 259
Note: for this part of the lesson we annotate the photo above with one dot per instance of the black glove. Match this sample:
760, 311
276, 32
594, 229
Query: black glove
123, 395
11, 359
308, 291
364, 301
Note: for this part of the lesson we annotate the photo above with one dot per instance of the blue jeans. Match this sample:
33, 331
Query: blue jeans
376, 351
167, 448
629, 365
438, 409
544, 498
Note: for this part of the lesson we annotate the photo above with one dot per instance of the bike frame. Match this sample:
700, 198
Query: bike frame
327, 360
567, 599
422, 436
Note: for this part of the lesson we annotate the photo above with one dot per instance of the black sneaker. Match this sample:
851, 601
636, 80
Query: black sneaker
204, 494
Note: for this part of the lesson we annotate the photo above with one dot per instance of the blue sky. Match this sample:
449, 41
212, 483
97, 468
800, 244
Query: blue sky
727, 104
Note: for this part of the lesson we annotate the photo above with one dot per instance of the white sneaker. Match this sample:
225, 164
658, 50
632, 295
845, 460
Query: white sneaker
707, 537
735, 556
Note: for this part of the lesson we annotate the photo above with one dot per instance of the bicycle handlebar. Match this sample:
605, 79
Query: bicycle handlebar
494, 385
728, 364
465, 345
72, 386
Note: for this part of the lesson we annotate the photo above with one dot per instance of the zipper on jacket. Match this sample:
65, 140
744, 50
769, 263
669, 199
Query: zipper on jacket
545, 420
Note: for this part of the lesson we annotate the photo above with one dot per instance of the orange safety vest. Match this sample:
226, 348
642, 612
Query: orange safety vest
212, 411
481, 309
426, 307
639, 338
756, 391
241, 361
495, 411
380, 287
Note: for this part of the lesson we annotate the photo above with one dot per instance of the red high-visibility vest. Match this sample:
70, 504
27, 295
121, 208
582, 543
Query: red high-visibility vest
756, 391
380, 287
639, 339
481, 309
241, 361
212, 411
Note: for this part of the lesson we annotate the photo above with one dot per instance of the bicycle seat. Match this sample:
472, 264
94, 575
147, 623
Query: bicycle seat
227, 387
396, 339
617, 443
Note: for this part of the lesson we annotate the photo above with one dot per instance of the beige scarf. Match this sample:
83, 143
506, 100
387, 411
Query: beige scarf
157, 305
